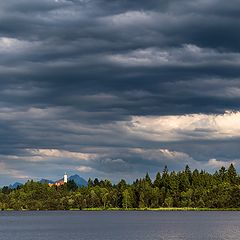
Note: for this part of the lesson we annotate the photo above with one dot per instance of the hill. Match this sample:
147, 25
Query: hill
78, 180
15, 185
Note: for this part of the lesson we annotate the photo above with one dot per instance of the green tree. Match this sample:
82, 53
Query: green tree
158, 180
148, 179
71, 185
126, 199
232, 174
168, 202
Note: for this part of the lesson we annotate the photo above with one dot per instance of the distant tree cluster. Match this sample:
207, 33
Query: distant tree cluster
169, 189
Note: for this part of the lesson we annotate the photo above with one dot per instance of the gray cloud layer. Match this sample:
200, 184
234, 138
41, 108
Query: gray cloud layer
74, 73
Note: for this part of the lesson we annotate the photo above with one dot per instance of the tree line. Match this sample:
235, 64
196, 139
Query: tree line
198, 189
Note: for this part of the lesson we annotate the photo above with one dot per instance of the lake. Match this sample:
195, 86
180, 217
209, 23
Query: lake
119, 225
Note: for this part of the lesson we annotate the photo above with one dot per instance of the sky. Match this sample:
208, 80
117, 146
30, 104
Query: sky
117, 88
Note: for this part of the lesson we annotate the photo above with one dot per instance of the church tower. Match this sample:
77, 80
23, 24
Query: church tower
65, 178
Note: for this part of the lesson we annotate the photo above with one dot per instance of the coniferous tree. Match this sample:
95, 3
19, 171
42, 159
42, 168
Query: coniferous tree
181, 189
158, 180
148, 179
232, 174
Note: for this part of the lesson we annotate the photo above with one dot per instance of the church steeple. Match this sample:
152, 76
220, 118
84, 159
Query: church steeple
65, 178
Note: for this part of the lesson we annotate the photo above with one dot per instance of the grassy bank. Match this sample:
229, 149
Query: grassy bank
135, 209
161, 209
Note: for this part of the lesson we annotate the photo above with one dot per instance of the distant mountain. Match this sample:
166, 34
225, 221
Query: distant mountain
15, 185
46, 181
78, 180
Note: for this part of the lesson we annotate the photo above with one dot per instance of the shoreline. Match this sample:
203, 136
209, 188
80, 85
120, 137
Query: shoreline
131, 209
160, 209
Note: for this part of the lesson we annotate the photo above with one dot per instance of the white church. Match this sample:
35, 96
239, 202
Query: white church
60, 182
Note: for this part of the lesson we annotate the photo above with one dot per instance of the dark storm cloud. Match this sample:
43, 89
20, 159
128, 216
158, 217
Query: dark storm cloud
74, 72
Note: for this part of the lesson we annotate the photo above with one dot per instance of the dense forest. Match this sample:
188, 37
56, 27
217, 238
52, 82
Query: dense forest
197, 189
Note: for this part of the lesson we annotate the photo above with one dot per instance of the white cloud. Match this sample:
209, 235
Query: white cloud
7, 42
188, 54
37, 155
142, 57
5, 170
84, 169
217, 163
164, 157
29, 113
8, 45
185, 127
129, 18
192, 48
55, 153
157, 154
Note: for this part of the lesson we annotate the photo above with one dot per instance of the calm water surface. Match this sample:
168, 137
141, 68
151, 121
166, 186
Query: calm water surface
119, 225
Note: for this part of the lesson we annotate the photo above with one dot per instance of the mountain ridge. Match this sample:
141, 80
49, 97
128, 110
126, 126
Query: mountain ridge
80, 182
